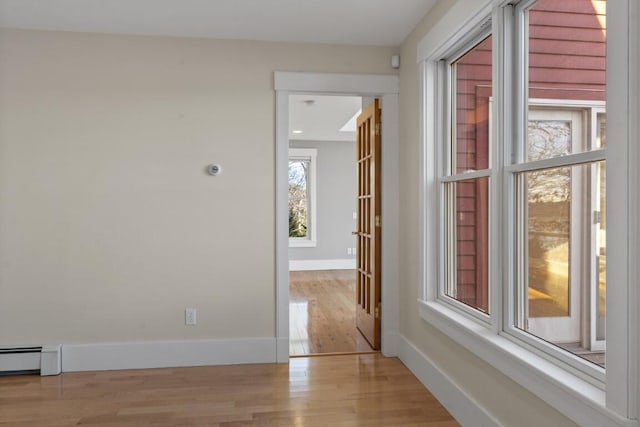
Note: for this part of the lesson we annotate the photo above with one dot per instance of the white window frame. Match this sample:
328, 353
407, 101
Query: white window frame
310, 155
445, 163
587, 397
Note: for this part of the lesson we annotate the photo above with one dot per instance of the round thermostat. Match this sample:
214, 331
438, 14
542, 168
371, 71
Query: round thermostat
214, 169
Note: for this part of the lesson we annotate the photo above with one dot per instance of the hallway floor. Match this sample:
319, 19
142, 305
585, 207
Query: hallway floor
322, 313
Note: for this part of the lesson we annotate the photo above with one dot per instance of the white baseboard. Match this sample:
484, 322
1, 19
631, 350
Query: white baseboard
163, 354
322, 264
459, 404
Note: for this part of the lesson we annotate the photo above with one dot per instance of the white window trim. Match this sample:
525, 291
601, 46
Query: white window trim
573, 393
311, 240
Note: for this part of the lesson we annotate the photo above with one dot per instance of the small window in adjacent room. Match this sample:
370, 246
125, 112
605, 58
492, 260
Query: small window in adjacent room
302, 200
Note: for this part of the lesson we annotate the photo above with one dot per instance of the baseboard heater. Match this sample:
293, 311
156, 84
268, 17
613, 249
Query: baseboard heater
44, 360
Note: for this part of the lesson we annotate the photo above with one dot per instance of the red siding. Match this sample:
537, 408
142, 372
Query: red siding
567, 47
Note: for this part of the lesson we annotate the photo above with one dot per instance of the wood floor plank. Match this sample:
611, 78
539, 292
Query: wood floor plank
322, 313
351, 390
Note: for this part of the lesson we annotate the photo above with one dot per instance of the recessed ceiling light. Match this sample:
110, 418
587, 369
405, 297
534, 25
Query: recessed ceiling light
296, 131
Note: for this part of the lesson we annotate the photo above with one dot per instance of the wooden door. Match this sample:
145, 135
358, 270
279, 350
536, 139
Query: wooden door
368, 233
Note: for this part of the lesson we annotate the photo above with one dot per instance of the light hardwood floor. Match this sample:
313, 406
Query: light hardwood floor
322, 310
350, 390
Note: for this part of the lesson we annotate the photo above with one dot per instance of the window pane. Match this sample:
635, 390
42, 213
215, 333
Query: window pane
467, 242
471, 94
548, 230
566, 61
561, 280
548, 138
298, 198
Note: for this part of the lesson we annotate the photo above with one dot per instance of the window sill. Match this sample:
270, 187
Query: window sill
302, 243
577, 399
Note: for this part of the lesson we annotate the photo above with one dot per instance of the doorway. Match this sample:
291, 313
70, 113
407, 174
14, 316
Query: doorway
323, 205
385, 87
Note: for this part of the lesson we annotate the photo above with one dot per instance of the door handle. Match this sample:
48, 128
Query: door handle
355, 233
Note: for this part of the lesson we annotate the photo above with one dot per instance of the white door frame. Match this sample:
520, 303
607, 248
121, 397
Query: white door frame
385, 87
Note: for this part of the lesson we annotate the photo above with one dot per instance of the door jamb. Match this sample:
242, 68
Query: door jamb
385, 87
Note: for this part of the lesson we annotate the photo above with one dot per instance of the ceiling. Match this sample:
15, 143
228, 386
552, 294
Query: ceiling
321, 118
359, 22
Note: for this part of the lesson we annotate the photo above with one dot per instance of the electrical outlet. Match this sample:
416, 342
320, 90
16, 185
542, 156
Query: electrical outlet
190, 316
348, 251
353, 251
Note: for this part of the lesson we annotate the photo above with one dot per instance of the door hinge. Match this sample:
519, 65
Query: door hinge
377, 312
377, 129
377, 220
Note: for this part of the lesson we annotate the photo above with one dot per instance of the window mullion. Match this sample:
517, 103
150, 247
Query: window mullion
556, 162
623, 206
466, 176
500, 135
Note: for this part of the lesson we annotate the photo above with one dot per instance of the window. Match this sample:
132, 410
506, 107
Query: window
465, 180
556, 173
302, 200
518, 202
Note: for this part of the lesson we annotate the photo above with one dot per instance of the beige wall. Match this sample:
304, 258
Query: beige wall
109, 226
509, 403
